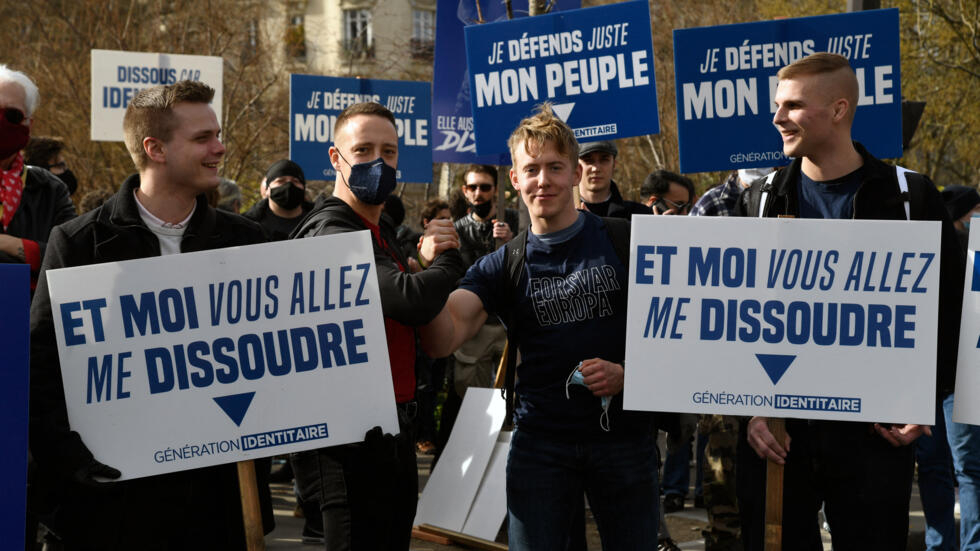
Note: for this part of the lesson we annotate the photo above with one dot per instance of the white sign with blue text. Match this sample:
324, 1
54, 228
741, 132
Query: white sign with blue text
594, 64
966, 407
813, 319
725, 82
196, 359
117, 76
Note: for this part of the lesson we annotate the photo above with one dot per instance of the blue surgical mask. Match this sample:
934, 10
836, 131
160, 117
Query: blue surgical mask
371, 182
966, 225
576, 378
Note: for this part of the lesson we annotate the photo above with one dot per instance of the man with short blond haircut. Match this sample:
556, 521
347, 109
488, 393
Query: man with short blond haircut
571, 433
173, 136
368, 491
861, 472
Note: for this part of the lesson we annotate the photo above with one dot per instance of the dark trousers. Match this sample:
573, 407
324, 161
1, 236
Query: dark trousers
367, 495
864, 482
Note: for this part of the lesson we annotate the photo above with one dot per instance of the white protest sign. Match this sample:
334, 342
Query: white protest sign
117, 76
196, 359
814, 319
966, 407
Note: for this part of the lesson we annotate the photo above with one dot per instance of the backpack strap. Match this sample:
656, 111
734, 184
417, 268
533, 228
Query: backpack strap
903, 183
765, 193
514, 251
618, 230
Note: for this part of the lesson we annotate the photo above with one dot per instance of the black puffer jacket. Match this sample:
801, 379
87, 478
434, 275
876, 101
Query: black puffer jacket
476, 237
880, 198
196, 509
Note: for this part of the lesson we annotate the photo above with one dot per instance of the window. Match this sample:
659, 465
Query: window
423, 33
295, 37
357, 32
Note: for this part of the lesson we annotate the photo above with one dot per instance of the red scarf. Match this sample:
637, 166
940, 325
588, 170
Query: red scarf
11, 188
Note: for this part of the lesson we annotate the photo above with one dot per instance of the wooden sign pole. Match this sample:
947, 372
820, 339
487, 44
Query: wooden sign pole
774, 492
251, 511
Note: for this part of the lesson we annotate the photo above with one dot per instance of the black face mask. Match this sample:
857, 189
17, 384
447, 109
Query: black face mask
68, 177
481, 209
287, 196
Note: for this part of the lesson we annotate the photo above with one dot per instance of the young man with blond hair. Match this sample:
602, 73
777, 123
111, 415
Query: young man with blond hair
861, 472
172, 134
568, 312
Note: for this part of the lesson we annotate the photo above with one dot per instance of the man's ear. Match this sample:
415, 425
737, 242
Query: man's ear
334, 157
840, 109
155, 149
513, 180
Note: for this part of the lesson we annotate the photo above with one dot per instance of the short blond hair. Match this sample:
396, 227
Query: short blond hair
835, 66
542, 127
151, 114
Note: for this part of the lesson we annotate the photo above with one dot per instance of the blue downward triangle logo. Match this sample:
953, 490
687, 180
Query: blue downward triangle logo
235, 405
775, 365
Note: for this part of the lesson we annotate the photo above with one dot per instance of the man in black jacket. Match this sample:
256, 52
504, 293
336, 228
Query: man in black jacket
368, 491
862, 472
172, 134
596, 188
286, 205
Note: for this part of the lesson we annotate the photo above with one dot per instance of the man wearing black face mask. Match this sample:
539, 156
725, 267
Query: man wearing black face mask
368, 491
32, 200
282, 210
46, 153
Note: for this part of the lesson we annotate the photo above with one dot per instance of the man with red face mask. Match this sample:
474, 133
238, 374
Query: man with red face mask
32, 200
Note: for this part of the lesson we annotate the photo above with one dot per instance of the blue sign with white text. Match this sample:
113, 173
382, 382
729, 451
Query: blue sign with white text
315, 102
595, 66
725, 81
452, 120
15, 285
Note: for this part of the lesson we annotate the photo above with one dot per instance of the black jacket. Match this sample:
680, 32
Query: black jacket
276, 228
43, 205
880, 198
476, 238
619, 207
409, 299
192, 509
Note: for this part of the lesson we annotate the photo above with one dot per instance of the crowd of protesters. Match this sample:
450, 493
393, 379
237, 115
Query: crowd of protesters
455, 290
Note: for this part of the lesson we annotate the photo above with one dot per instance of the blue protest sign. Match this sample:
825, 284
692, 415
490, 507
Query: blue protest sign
452, 121
595, 65
725, 79
15, 285
315, 102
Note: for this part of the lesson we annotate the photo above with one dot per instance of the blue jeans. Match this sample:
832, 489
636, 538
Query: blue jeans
936, 486
546, 479
677, 470
964, 443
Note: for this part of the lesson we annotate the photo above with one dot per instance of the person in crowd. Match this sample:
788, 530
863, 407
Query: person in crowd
481, 231
172, 134
721, 199
962, 204
668, 193
32, 200
368, 491
429, 373
285, 204
46, 153
861, 472
229, 196
571, 434
598, 192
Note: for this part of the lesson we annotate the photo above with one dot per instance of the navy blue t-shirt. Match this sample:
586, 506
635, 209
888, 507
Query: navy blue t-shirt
832, 200
571, 306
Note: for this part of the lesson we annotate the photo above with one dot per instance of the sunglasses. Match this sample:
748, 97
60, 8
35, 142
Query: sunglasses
473, 187
13, 115
678, 207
